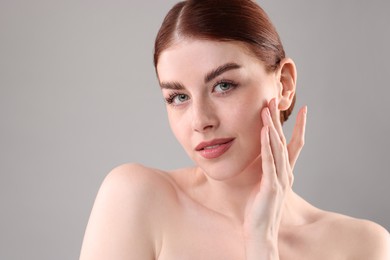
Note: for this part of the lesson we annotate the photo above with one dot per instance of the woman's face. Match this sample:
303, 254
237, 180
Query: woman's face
214, 93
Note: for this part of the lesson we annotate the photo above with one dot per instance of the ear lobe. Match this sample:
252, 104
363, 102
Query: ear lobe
287, 79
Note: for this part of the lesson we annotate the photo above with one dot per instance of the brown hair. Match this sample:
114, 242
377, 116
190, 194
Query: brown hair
224, 20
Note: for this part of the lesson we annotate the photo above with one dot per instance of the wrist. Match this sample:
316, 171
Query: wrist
266, 235
261, 245
261, 250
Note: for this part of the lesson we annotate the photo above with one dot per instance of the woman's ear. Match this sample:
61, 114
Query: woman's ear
287, 78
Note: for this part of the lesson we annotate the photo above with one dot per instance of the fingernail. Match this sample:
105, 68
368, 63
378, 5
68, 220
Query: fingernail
305, 110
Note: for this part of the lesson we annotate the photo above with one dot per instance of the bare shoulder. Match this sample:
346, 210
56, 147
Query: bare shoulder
140, 188
358, 238
143, 189
138, 179
126, 216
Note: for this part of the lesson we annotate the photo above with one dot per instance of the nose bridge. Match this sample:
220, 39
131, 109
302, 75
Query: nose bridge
203, 115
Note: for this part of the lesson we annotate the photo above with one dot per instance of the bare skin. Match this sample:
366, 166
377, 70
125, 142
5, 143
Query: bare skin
143, 213
239, 205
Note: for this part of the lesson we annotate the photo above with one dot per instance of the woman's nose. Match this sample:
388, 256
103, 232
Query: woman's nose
204, 117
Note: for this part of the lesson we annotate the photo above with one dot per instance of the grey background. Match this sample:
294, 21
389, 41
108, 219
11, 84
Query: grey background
78, 96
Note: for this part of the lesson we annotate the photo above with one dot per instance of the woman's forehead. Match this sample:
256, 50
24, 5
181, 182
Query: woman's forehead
201, 55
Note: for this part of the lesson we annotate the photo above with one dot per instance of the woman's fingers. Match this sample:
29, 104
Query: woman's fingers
275, 114
298, 137
268, 163
278, 150
297, 140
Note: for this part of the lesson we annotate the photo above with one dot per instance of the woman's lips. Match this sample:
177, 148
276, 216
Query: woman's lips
214, 148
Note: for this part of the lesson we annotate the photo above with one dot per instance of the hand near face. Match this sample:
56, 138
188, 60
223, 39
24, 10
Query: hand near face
298, 138
263, 216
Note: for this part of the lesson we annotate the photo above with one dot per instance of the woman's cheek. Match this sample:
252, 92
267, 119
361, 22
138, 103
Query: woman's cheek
251, 104
178, 126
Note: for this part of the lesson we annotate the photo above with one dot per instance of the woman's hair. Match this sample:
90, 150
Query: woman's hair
224, 20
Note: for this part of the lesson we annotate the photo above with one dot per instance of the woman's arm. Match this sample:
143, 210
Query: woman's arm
119, 227
264, 213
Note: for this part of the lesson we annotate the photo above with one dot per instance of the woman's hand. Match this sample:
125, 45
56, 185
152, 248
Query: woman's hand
264, 212
297, 141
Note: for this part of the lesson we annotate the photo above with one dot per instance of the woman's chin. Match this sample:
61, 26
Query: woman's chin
224, 170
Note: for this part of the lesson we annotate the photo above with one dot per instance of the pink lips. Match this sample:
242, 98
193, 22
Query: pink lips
214, 148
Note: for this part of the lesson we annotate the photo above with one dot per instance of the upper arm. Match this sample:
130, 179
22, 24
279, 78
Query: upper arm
120, 225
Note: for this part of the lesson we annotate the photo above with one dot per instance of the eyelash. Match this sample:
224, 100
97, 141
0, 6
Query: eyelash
232, 84
171, 96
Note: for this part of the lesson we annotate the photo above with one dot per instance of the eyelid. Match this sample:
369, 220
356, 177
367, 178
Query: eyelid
171, 96
232, 83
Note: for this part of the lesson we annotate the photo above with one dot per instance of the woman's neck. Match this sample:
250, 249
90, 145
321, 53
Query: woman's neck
231, 197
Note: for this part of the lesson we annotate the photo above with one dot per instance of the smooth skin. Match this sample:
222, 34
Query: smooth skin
238, 206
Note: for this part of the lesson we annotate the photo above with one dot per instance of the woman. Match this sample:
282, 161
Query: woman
228, 88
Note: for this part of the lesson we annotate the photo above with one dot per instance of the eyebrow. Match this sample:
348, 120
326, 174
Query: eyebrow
209, 76
172, 85
220, 70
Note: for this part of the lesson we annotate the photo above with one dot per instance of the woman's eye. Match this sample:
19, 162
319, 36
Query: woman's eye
177, 99
223, 87
181, 98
